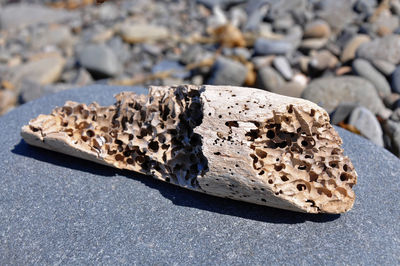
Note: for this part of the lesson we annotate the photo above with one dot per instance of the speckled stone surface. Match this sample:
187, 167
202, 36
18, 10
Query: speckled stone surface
58, 209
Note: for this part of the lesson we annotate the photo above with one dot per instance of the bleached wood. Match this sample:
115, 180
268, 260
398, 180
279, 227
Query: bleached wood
235, 142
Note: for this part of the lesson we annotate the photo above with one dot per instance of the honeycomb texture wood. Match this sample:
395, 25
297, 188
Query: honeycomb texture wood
234, 142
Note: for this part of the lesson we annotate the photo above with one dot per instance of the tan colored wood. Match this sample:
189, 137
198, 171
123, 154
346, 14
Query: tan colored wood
235, 142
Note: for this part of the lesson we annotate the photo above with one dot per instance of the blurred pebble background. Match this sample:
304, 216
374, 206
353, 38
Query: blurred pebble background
341, 54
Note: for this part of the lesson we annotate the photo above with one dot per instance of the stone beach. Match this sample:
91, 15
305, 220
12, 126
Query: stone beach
330, 52
344, 55
57, 209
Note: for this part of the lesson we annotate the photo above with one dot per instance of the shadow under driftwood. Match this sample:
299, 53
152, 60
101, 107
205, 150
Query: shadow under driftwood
176, 195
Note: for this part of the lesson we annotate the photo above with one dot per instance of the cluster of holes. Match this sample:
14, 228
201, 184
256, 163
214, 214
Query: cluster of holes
129, 136
304, 151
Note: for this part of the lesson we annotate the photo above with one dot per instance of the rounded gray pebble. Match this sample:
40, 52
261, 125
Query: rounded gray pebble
364, 69
396, 80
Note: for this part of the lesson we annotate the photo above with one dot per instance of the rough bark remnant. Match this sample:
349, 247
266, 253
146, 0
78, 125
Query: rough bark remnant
233, 142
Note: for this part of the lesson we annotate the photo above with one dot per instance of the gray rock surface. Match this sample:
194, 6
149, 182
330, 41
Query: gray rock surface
136, 33
267, 47
99, 60
351, 43
282, 65
269, 79
20, 15
255, 18
322, 60
386, 48
364, 69
228, 71
59, 36
280, 8
338, 13
30, 91
317, 29
177, 70
7, 100
392, 130
342, 112
43, 71
396, 80
366, 7
366, 122
120, 49
55, 209
331, 91
386, 68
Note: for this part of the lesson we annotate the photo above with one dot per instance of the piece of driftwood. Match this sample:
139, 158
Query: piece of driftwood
233, 142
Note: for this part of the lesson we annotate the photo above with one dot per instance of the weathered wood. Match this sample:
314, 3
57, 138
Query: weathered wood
234, 142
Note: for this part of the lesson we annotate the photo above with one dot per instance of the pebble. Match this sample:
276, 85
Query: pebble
8, 100
329, 92
317, 29
242, 53
45, 70
342, 112
226, 71
152, 49
304, 62
365, 7
99, 60
261, 61
255, 18
395, 115
349, 50
24, 14
337, 13
291, 89
217, 19
391, 99
386, 68
301, 79
396, 104
31, 90
171, 81
269, 79
265, 31
347, 34
108, 12
192, 54
58, 35
392, 130
137, 33
343, 70
197, 80
294, 36
238, 17
278, 9
313, 43
366, 122
395, 7
386, 48
364, 69
322, 60
177, 70
283, 23
268, 47
396, 80
82, 78
120, 49
282, 65
385, 23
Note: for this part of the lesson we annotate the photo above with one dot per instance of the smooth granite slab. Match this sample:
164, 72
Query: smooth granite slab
55, 209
